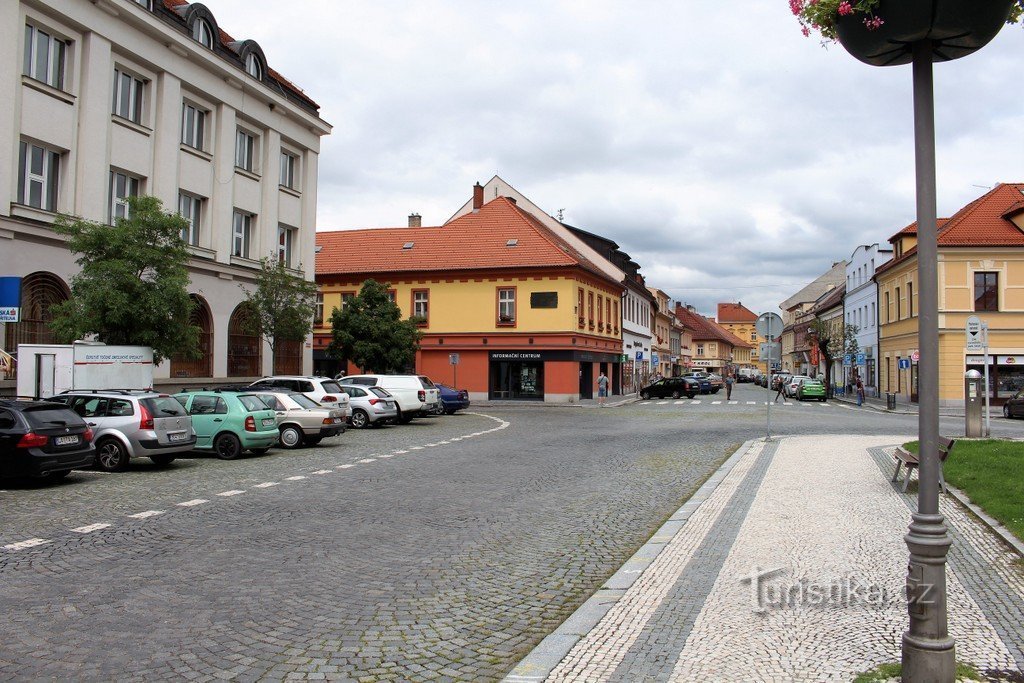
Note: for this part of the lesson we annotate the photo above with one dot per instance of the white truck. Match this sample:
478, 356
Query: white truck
45, 370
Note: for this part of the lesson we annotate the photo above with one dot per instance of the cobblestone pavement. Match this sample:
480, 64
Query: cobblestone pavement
808, 586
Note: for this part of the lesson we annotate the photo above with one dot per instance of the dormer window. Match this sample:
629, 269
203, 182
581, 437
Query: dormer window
202, 33
253, 67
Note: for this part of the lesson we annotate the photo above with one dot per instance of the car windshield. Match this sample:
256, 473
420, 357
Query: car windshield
305, 401
380, 393
330, 386
425, 381
252, 403
164, 406
271, 401
48, 416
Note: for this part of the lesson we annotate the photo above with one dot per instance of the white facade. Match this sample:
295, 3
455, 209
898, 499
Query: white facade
114, 97
637, 323
861, 308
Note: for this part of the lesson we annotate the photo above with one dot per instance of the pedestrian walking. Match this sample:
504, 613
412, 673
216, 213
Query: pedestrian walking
860, 392
729, 379
602, 389
781, 392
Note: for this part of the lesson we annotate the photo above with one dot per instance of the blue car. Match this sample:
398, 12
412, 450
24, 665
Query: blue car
452, 399
705, 383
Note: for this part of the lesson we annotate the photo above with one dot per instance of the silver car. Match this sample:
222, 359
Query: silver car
130, 424
301, 420
370, 405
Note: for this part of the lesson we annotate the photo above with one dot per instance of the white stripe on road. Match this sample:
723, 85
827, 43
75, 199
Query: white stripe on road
295, 478
30, 543
753, 403
192, 503
265, 485
147, 513
232, 492
716, 403
91, 528
366, 461
324, 472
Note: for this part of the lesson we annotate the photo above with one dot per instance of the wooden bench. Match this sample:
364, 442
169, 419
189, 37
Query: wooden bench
905, 457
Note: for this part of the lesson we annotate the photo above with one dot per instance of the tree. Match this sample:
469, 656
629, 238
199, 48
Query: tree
133, 286
833, 339
283, 305
370, 333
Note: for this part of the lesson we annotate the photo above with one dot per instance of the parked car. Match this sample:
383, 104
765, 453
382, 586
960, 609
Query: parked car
811, 388
301, 421
370, 405
323, 390
779, 379
1014, 406
131, 424
415, 395
717, 382
43, 439
793, 384
671, 387
228, 423
703, 383
452, 399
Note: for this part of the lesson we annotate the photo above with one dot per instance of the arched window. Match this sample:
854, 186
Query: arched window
253, 66
288, 357
202, 366
202, 32
39, 292
244, 358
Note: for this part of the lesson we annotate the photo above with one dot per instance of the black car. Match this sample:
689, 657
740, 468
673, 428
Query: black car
42, 439
671, 387
1014, 406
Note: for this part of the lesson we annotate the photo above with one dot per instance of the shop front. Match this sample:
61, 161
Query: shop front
1005, 374
552, 376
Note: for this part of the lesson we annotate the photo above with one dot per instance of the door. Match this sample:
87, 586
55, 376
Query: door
913, 383
46, 368
586, 380
208, 413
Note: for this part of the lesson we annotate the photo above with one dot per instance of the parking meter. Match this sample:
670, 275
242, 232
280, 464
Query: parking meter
974, 401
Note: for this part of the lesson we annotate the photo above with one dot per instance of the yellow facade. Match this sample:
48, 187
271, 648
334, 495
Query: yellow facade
747, 333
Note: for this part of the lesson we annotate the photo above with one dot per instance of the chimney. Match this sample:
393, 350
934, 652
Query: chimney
478, 196
415, 221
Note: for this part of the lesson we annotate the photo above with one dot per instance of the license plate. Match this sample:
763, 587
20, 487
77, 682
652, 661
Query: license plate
177, 436
268, 422
66, 440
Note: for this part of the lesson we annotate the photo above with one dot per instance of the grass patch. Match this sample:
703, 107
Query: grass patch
991, 473
885, 672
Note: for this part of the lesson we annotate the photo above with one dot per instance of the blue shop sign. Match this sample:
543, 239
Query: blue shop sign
10, 299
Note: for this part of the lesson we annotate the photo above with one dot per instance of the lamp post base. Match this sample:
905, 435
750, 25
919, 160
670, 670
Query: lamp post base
929, 654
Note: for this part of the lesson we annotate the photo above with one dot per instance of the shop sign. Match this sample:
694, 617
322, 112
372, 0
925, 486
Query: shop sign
1011, 360
514, 355
10, 299
704, 363
998, 360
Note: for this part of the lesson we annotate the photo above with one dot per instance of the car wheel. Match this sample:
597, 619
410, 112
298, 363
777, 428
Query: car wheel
227, 447
645, 395
162, 460
291, 436
1006, 412
360, 419
111, 455
675, 394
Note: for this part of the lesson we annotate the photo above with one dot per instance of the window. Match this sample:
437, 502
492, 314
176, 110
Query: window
753, 335
241, 237
122, 186
600, 312
286, 238
318, 315
888, 310
193, 125
345, 298
910, 299
288, 163
127, 96
986, 291
421, 305
44, 57
700, 349
590, 309
506, 305
899, 307
873, 317
245, 147
191, 209
253, 66
38, 173
202, 33
616, 316
579, 306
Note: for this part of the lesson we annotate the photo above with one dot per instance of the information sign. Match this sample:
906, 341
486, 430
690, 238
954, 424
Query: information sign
977, 337
453, 358
862, 359
847, 359
904, 363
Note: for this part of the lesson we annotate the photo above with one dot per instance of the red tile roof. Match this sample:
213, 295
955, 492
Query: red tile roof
982, 223
707, 329
735, 313
475, 241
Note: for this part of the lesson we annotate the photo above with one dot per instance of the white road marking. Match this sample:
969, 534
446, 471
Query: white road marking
295, 478
753, 403
30, 543
147, 513
192, 503
386, 455
366, 461
233, 492
345, 467
265, 485
733, 403
399, 452
661, 403
679, 403
696, 401
324, 472
416, 448
91, 528
716, 403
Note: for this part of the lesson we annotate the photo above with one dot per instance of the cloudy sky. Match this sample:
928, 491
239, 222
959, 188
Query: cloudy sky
733, 158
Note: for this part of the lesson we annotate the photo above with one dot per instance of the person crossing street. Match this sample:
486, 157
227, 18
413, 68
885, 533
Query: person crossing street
729, 379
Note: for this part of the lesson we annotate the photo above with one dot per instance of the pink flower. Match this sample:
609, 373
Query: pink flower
845, 9
873, 23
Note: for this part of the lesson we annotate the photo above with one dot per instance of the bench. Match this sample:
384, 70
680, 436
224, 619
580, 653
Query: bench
905, 457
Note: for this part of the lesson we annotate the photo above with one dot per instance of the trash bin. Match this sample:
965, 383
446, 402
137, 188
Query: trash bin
890, 401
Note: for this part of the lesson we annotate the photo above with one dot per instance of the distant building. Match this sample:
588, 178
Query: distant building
741, 321
861, 310
715, 349
796, 318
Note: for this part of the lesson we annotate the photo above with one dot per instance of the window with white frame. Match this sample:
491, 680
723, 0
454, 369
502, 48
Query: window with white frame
288, 166
286, 240
193, 125
253, 67
245, 150
700, 349
241, 236
318, 315
38, 174
507, 305
128, 92
44, 57
191, 209
122, 186
421, 303
202, 33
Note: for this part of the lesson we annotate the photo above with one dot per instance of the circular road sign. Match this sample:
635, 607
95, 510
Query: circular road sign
768, 325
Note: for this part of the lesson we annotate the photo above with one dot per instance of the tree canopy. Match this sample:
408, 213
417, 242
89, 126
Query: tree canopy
369, 332
283, 304
133, 286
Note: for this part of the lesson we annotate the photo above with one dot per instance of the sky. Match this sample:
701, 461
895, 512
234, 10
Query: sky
730, 156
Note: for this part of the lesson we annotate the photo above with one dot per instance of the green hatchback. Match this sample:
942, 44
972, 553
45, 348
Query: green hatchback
229, 423
811, 389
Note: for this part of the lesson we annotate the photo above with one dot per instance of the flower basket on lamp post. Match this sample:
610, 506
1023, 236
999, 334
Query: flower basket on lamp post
956, 28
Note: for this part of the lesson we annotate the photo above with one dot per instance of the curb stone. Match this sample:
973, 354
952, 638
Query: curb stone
994, 525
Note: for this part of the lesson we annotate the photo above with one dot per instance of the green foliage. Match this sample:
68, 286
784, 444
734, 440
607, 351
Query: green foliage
370, 333
888, 672
283, 304
133, 287
820, 15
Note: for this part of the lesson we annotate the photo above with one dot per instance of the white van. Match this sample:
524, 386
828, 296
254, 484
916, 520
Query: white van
416, 395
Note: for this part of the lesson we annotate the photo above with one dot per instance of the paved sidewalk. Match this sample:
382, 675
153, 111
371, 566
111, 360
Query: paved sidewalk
788, 566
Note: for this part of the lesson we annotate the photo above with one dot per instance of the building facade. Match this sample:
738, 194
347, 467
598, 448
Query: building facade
741, 321
797, 316
109, 99
661, 344
861, 310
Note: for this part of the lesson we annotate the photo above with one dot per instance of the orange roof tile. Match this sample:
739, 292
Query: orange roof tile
705, 328
475, 241
735, 313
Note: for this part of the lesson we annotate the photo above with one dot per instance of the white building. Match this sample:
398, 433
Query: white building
861, 308
111, 98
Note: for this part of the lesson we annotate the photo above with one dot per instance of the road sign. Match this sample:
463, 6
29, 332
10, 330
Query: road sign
915, 356
904, 363
654, 358
625, 357
847, 359
639, 356
776, 366
977, 334
768, 325
862, 359
453, 358
770, 351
